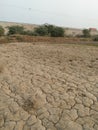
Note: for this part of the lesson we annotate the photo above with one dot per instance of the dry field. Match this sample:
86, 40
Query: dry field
48, 87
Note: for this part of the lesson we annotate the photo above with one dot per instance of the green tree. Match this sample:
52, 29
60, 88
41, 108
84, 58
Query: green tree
57, 32
86, 33
1, 31
50, 30
41, 30
15, 30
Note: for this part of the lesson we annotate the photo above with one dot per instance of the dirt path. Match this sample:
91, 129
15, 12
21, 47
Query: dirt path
48, 87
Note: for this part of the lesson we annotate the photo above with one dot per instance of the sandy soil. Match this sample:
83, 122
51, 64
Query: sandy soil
48, 87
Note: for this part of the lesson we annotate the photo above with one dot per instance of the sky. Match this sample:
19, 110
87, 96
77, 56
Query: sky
66, 13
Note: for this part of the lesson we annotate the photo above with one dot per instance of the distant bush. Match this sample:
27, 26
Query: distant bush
57, 32
15, 30
41, 30
1, 31
86, 33
49, 30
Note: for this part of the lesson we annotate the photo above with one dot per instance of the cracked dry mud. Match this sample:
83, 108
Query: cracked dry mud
48, 87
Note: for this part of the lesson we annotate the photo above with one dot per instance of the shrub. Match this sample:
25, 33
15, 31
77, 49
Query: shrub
1, 31
49, 30
41, 31
57, 32
86, 33
15, 30
28, 105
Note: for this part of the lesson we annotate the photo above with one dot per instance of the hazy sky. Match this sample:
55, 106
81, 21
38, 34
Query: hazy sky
68, 13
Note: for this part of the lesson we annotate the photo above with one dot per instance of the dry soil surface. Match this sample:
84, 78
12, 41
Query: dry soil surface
48, 87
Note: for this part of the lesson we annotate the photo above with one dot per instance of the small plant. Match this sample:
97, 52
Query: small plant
28, 105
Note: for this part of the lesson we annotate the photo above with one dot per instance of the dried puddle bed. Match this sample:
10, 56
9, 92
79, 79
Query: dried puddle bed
48, 87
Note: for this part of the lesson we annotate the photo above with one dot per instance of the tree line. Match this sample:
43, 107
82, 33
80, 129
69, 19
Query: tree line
43, 30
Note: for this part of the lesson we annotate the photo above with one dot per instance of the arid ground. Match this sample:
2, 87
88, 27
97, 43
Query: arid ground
48, 87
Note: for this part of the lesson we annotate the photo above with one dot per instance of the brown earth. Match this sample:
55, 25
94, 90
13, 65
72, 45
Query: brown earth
26, 38
48, 87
